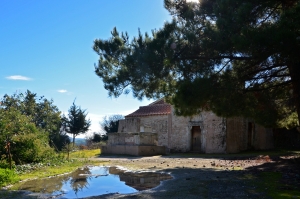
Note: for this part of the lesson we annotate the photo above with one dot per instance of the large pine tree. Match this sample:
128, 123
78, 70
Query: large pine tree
237, 58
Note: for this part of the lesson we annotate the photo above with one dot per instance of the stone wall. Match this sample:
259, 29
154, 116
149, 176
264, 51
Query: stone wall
180, 137
133, 150
139, 144
145, 139
243, 134
218, 135
129, 125
157, 124
263, 138
149, 124
236, 137
213, 133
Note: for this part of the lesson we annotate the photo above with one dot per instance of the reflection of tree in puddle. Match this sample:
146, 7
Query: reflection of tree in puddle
46, 185
79, 179
140, 181
97, 179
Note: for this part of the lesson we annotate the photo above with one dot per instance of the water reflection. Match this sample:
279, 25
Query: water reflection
140, 181
91, 181
79, 179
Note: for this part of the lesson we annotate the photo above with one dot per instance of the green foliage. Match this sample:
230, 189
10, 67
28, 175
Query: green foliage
236, 58
33, 147
111, 123
97, 137
4, 163
7, 176
27, 143
40, 111
76, 123
21, 139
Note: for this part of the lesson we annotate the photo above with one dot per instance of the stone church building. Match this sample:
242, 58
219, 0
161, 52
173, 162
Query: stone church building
155, 129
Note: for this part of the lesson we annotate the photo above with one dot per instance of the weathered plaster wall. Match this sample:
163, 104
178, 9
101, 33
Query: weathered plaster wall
129, 125
218, 135
157, 124
145, 139
149, 124
133, 150
239, 139
263, 138
236, 138
213, 133
180, 137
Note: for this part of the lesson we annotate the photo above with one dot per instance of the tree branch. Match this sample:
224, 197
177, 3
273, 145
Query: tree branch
266, 88
216, 57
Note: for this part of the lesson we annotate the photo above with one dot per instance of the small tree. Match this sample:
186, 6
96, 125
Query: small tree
40, 111
76, 123
111, 123
22, 140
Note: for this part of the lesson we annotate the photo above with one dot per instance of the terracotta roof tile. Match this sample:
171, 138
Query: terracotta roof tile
152, 109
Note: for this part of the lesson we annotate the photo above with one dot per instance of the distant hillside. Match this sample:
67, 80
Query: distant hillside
79, 141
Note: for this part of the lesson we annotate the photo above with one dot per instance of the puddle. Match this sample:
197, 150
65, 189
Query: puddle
93, 181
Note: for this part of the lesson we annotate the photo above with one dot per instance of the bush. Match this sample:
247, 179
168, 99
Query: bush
4, 164
7, 176
31, 147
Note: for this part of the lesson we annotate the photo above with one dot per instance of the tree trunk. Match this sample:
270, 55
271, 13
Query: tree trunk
68, 149
9, 156
294, 73
73, 140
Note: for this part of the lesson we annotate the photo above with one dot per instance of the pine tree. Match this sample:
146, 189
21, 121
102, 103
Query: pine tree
76, 123
236, 58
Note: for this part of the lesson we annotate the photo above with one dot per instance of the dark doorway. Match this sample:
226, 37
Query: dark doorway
196, 138
250, 134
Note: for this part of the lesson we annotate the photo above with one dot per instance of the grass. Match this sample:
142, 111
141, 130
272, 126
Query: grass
270, 183
67, 167
61, 166
8, 176
85, 153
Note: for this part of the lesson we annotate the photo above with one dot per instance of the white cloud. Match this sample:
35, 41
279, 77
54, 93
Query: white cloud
195, 1
62, 91
95, 126
18, 77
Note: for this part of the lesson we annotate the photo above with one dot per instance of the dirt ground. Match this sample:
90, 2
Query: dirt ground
195, 176
201, 176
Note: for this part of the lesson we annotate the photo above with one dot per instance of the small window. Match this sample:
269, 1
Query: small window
142, 129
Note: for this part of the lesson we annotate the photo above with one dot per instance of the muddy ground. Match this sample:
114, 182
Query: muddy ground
198, 176
205, 177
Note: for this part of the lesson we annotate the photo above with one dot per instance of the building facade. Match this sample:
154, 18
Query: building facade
156, 125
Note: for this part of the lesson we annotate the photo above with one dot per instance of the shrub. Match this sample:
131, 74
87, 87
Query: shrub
7, 176
32, 147
4, 164
83, 147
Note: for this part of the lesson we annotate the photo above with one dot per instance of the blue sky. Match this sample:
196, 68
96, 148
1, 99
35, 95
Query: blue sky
46, 47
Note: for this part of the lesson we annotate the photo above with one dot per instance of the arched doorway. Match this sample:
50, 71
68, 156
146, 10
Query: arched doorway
196, 138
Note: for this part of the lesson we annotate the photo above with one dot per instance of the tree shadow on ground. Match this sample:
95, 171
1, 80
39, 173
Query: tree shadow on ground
229, 176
